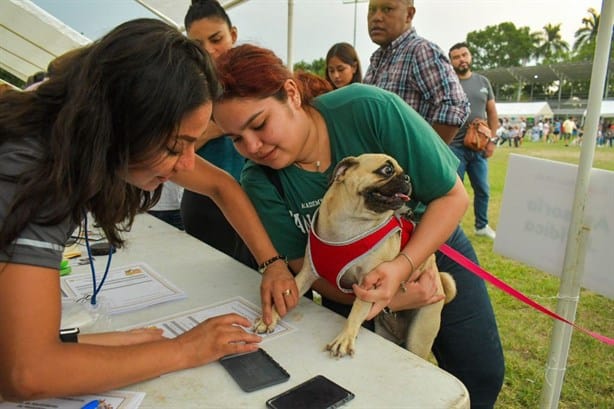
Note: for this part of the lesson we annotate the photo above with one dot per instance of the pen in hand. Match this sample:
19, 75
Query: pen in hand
91, 405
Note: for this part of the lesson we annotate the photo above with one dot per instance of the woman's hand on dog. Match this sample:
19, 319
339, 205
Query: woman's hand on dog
276, 281
382, 287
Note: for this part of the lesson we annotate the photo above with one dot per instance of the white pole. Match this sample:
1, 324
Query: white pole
290, 34
355, 18
573, 267
355, 2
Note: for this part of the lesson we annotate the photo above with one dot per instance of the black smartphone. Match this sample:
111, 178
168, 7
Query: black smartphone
254, 370
318, 392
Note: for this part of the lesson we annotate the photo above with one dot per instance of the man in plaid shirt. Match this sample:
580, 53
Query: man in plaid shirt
414, 68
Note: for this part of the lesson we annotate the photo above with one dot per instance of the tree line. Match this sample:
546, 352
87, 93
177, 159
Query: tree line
505, 45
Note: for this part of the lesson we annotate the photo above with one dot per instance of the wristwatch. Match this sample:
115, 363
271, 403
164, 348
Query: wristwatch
69, 335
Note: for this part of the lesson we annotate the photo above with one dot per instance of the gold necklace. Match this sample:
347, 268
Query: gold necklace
317, 163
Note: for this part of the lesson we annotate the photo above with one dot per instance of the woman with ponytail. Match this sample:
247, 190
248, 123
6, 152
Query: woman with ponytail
207, 23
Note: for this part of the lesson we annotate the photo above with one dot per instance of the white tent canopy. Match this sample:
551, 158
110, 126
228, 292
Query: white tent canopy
173, 11
524, 109
30, 38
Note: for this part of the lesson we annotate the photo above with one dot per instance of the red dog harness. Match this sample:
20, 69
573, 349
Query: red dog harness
331, 260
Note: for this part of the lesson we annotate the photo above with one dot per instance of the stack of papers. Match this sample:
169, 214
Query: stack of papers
107, 400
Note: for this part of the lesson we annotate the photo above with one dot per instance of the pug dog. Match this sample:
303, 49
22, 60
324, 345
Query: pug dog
357, 227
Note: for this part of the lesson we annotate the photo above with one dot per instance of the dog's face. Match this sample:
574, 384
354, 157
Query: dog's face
376, 179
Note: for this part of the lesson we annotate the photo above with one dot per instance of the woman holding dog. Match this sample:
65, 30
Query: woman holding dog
275, 122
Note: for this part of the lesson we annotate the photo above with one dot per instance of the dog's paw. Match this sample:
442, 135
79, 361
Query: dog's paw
260, 327
341, 346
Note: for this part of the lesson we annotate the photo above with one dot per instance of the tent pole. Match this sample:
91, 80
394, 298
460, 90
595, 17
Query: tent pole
355, 19
575, 250
161, 15
290, 34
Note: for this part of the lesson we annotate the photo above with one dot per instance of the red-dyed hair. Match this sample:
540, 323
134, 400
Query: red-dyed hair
249, 71
315, 84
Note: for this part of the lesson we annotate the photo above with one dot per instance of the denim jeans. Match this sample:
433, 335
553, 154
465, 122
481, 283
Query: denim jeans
468, 344
476, 166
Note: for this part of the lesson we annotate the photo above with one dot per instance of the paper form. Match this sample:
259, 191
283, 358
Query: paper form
177, 324
126, 288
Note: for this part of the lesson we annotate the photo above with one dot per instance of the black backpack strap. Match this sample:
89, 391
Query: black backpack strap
274, 178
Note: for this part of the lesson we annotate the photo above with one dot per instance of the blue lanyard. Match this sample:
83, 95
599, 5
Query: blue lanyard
92, 269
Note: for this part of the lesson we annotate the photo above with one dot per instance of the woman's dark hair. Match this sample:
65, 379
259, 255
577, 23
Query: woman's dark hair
346, 53
249, 71
458, 46
35, 78
111, 104
200, 9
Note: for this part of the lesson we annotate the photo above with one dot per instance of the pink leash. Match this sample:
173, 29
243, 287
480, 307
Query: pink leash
485, 275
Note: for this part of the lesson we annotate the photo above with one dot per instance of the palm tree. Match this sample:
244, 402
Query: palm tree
551, 42
535, 39
588, 32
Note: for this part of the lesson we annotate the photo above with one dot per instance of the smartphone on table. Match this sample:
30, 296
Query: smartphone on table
318, 392
254, 370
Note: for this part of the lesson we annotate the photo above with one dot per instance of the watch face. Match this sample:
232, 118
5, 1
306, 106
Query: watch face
69, 335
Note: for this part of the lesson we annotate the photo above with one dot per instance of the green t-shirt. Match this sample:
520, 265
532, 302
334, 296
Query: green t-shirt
360, 119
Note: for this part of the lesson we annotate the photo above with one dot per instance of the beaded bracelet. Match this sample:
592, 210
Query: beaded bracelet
262, 267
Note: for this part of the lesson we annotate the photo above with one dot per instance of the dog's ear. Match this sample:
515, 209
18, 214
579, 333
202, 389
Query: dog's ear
342, 167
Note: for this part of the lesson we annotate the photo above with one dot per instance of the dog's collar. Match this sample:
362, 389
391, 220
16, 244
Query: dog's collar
330, 260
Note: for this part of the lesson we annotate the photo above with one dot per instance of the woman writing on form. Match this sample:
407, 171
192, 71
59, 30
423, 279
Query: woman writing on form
120, 118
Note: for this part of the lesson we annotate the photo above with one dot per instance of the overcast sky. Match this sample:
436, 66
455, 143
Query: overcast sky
320, 23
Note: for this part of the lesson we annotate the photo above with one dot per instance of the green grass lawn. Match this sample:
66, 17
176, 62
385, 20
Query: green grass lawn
525, 333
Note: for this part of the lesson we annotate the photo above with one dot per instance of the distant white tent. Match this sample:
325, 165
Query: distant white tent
524, 109
607, 109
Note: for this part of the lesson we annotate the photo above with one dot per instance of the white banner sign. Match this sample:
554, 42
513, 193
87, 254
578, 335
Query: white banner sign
535, 215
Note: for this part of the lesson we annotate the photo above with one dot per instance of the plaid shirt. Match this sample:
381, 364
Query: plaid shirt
419, 72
